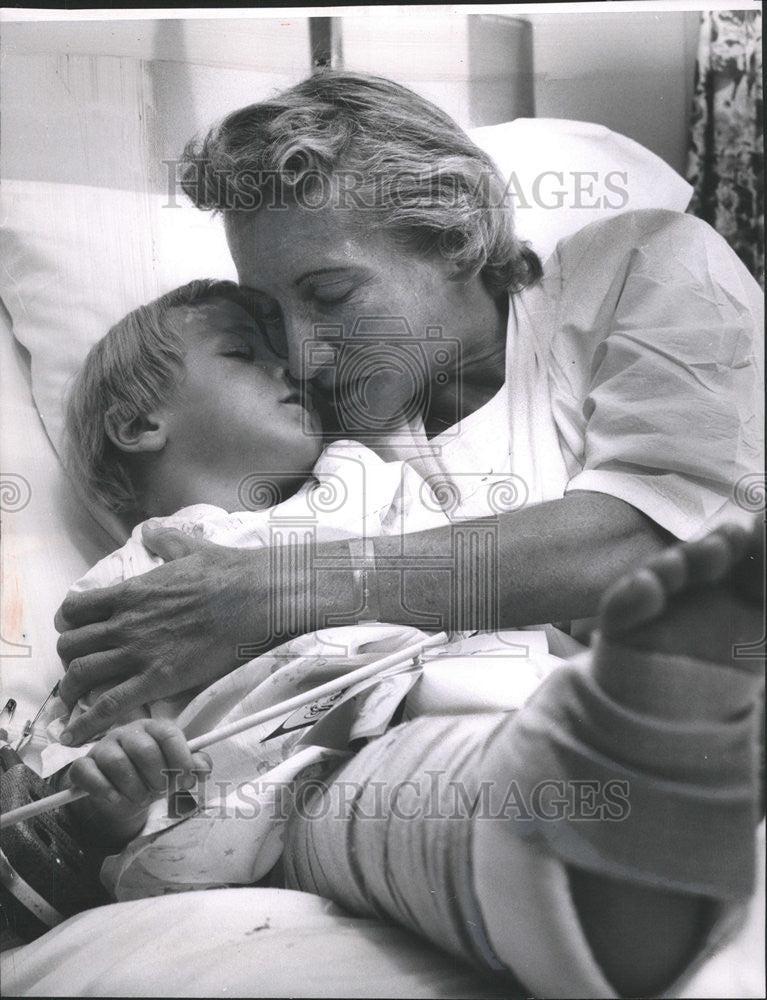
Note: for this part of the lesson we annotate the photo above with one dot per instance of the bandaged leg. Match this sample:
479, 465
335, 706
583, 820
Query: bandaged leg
461, 828
640, 767
659, 791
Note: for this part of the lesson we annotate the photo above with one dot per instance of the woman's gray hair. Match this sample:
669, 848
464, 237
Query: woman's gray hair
129, 373
371, 146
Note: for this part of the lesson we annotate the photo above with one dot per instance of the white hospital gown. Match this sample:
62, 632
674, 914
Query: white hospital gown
352, 493
633, 368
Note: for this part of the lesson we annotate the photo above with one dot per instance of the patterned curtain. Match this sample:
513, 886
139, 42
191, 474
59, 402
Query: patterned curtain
726, 165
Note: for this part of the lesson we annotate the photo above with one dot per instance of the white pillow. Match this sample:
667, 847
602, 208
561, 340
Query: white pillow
564, 174
79, 258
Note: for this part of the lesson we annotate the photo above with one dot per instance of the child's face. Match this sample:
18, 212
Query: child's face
234, 416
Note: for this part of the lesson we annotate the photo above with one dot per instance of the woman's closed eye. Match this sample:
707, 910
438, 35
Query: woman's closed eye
333, 294
331, 289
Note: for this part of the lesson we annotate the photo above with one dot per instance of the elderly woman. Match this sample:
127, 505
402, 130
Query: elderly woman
614, 391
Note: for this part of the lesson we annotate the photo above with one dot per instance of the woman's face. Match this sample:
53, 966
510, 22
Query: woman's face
374, 325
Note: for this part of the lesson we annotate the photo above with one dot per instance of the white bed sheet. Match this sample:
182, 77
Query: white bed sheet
247, 943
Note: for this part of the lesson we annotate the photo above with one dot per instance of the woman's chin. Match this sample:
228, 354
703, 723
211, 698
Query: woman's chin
380, 418
312, 425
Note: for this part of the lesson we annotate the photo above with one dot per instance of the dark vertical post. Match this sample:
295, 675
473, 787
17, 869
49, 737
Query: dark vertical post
321, 43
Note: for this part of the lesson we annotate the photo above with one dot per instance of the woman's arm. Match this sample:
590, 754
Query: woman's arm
211, 608
549, 562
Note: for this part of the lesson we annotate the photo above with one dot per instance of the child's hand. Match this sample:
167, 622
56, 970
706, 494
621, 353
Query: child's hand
129, 767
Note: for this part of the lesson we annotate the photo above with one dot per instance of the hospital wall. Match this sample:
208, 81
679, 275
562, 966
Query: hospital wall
632, 72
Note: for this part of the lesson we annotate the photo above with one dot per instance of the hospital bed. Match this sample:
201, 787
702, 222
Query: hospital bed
92, 226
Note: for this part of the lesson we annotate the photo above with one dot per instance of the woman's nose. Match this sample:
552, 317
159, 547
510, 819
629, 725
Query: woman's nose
306, 353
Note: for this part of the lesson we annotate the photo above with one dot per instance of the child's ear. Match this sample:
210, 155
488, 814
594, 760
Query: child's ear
146, 432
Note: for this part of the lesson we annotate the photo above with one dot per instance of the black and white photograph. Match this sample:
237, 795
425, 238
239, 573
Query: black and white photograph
383, 501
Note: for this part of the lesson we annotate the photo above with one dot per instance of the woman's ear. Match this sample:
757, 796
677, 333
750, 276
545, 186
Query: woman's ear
144, 433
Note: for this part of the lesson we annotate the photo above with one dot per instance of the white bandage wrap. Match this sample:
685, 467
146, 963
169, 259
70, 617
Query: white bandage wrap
439, 824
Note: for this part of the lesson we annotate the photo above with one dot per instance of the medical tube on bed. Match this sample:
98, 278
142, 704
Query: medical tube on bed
399, 659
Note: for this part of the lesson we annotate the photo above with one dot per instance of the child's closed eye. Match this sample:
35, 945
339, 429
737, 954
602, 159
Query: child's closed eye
242, 351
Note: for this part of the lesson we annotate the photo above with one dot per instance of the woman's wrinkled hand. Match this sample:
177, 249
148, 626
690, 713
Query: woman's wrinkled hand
181, 625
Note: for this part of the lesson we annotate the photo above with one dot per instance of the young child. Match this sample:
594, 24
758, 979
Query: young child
182, 408
183, 414
472, 849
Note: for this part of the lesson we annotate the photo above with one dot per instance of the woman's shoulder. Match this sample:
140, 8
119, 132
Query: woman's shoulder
588, 269
644, 229
647, 268
675, 250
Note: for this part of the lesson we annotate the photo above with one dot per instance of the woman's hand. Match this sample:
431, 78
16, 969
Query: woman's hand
179, 626
131, 766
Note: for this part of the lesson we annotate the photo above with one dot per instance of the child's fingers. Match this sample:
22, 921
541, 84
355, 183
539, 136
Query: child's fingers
203, 765
118, 768
146, 755
175, 750
86, 775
